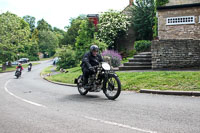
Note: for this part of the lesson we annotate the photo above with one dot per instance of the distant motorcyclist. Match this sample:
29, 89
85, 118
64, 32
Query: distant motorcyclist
20, 68
90, 59
29, 66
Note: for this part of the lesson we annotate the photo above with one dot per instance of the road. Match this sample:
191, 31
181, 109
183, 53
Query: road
32, 105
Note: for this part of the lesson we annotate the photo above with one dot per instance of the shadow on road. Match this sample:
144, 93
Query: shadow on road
80, 98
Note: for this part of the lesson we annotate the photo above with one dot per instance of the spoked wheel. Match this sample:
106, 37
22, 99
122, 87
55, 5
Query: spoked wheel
112, 87
81, 89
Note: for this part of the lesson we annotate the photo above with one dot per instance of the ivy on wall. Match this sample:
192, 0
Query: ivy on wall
155, 28
161, 2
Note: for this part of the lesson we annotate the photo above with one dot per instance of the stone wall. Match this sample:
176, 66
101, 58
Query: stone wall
172, 54
181, 2
186, 31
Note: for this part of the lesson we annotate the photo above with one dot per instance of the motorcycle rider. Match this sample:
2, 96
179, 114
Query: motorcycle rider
20, 67
90, 59
30, 65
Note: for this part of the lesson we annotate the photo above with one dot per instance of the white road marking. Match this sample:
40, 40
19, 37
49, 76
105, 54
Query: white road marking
30, 102
119, 125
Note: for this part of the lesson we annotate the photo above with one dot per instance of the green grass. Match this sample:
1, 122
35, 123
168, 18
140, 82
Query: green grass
125, 60
183, 81
44, 59
158, 80
47, 70
13, 68
66, 77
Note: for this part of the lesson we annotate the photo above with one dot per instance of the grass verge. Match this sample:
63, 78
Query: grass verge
47, 70
44, 59
159, 80
13, 68
66, 77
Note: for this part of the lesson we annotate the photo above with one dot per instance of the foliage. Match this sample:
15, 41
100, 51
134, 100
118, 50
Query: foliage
161, 2
14, 35
48, 42
67, 57
115, 57
112, 26
43, 25
102, 46
155, 28
143, 19
85, 37
142, 45
60, 35
31, 21
72, 31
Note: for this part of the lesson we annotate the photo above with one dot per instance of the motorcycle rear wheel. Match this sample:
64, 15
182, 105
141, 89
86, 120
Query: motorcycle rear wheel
81, 89
112, 87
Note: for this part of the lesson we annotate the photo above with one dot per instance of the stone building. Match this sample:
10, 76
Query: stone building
179, 35
179, 19
126, 43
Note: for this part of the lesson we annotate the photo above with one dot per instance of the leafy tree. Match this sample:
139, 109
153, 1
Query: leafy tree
14, 35
60, 35
112, 26
85, 37
48, 42
31, 21
67, 57
72, 31
43, 25
143, 19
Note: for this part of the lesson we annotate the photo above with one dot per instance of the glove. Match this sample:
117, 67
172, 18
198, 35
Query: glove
91, 69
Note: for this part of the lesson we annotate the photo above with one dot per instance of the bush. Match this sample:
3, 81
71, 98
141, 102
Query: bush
33, 58
115, 57
67, 57
143, 45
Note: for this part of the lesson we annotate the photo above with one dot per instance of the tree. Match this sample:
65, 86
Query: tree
48, 42
72, 31
43, 25
112, 26
14, 35
85, 37
143, 19
67, 57
60, 35
31, 21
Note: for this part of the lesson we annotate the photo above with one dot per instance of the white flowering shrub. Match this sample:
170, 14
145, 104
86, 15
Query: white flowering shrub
112, 25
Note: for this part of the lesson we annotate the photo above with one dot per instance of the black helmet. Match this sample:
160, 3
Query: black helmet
94, 48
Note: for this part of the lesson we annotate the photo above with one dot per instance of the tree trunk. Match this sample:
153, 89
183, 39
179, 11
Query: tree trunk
4, 67
9, 64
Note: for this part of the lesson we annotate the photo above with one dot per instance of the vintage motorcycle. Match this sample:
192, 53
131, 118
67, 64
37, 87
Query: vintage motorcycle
103, 79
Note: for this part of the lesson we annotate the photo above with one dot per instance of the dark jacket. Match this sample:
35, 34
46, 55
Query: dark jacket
89, 60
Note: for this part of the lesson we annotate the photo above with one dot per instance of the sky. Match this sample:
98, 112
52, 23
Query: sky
58, 12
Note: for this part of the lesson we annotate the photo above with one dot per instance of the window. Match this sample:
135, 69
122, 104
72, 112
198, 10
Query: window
181, 20
199, 19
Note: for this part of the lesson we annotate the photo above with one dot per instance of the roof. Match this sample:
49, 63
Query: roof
178, 6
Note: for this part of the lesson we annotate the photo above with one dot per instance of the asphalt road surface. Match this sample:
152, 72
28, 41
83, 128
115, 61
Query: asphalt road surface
32, 105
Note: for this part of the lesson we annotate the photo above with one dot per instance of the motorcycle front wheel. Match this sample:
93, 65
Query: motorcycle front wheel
81, 89
112, 87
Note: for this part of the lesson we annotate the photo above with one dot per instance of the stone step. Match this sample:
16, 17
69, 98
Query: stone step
142, 56
140, 60
134, 68
145, 53
137, 63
